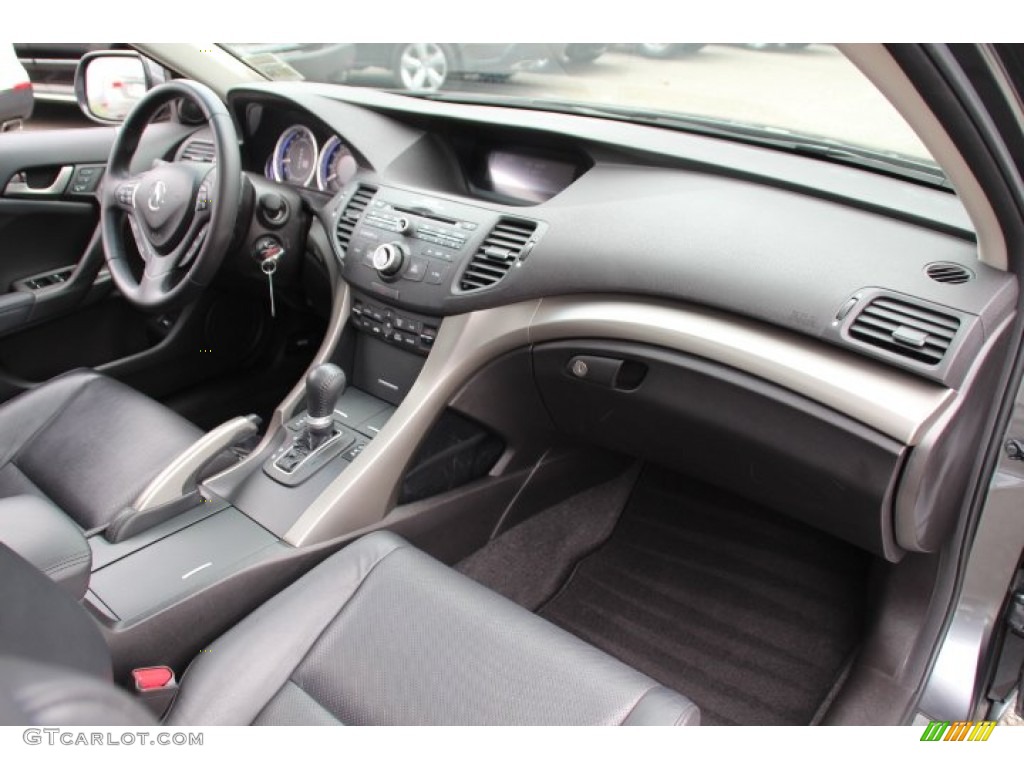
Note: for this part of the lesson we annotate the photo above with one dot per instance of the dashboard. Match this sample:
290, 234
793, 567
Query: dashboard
462, 232
481, 207
307, 154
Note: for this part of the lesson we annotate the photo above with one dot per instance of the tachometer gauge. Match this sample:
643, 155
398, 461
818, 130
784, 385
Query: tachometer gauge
337, 166
268, 169
295, 156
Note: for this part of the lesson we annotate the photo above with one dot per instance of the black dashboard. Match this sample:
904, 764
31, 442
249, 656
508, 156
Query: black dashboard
846, 311
445, 211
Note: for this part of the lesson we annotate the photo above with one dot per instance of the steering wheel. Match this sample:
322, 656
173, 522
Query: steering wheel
181, 214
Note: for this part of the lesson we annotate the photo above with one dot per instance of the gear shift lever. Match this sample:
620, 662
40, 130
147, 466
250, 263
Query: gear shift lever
324, 385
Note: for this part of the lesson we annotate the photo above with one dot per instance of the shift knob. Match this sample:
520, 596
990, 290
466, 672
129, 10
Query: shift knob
324, 385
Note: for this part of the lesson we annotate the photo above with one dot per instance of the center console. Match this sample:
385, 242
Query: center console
167, 588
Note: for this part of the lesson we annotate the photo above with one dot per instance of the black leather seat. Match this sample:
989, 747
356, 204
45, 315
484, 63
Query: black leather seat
87, 443
380, 633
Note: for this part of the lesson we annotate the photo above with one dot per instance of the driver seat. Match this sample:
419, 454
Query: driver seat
88, 444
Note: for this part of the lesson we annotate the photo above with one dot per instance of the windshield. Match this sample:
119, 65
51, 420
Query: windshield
776, 93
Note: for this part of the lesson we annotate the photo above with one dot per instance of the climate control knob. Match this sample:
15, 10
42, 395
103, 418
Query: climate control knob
389, 258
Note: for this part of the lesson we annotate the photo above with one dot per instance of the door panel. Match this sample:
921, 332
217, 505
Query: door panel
103, 331
38, 237
58, 308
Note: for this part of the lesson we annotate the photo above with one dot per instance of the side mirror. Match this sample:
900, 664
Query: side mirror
109, 83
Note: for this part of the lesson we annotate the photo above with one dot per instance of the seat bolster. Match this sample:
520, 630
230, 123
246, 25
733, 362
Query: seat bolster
241, 672
43, 623
89, 443
48, 695
46, 537
661, 706
22, 417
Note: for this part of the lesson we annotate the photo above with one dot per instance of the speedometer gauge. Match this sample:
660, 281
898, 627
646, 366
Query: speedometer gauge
295, 156
337, 166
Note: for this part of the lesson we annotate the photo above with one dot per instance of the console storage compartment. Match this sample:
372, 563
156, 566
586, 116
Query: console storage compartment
151, 577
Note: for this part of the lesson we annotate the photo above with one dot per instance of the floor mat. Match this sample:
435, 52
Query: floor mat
750, 614
528, 563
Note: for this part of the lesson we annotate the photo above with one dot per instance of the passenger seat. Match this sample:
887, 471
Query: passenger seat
378, 634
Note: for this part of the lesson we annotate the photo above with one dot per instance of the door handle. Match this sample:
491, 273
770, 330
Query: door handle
19, 186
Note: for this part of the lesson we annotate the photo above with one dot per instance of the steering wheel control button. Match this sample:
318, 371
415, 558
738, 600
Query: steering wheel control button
126, 194
203, 197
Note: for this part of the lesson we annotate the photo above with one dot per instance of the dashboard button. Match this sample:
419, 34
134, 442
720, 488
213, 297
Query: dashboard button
417, 269
436, 273
405, 324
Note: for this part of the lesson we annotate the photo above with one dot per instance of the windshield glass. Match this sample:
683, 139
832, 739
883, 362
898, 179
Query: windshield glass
778, 93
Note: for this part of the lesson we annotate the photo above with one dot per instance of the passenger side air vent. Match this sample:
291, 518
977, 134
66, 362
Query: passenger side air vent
199, 150
905, 329
497, 253
947, 272
350, 216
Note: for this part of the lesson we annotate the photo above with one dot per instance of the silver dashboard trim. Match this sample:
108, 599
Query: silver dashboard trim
340, 306
366, 491
895, 403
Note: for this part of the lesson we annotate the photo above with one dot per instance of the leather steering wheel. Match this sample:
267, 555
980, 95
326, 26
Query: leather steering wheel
181, 214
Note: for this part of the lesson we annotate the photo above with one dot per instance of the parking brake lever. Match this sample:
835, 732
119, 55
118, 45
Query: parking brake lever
176, 489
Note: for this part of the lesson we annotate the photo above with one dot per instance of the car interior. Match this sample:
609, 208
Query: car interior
444, 413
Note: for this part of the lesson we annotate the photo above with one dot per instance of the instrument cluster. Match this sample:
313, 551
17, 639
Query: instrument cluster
297, 159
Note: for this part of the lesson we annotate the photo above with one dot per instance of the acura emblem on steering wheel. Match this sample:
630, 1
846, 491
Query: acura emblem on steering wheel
156, 197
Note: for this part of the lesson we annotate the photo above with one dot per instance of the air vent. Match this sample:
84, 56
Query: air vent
497, 254
905, 329
947, 272
350, 216
199, 150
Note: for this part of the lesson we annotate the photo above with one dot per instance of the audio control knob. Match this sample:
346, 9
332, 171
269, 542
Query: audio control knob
389, 258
